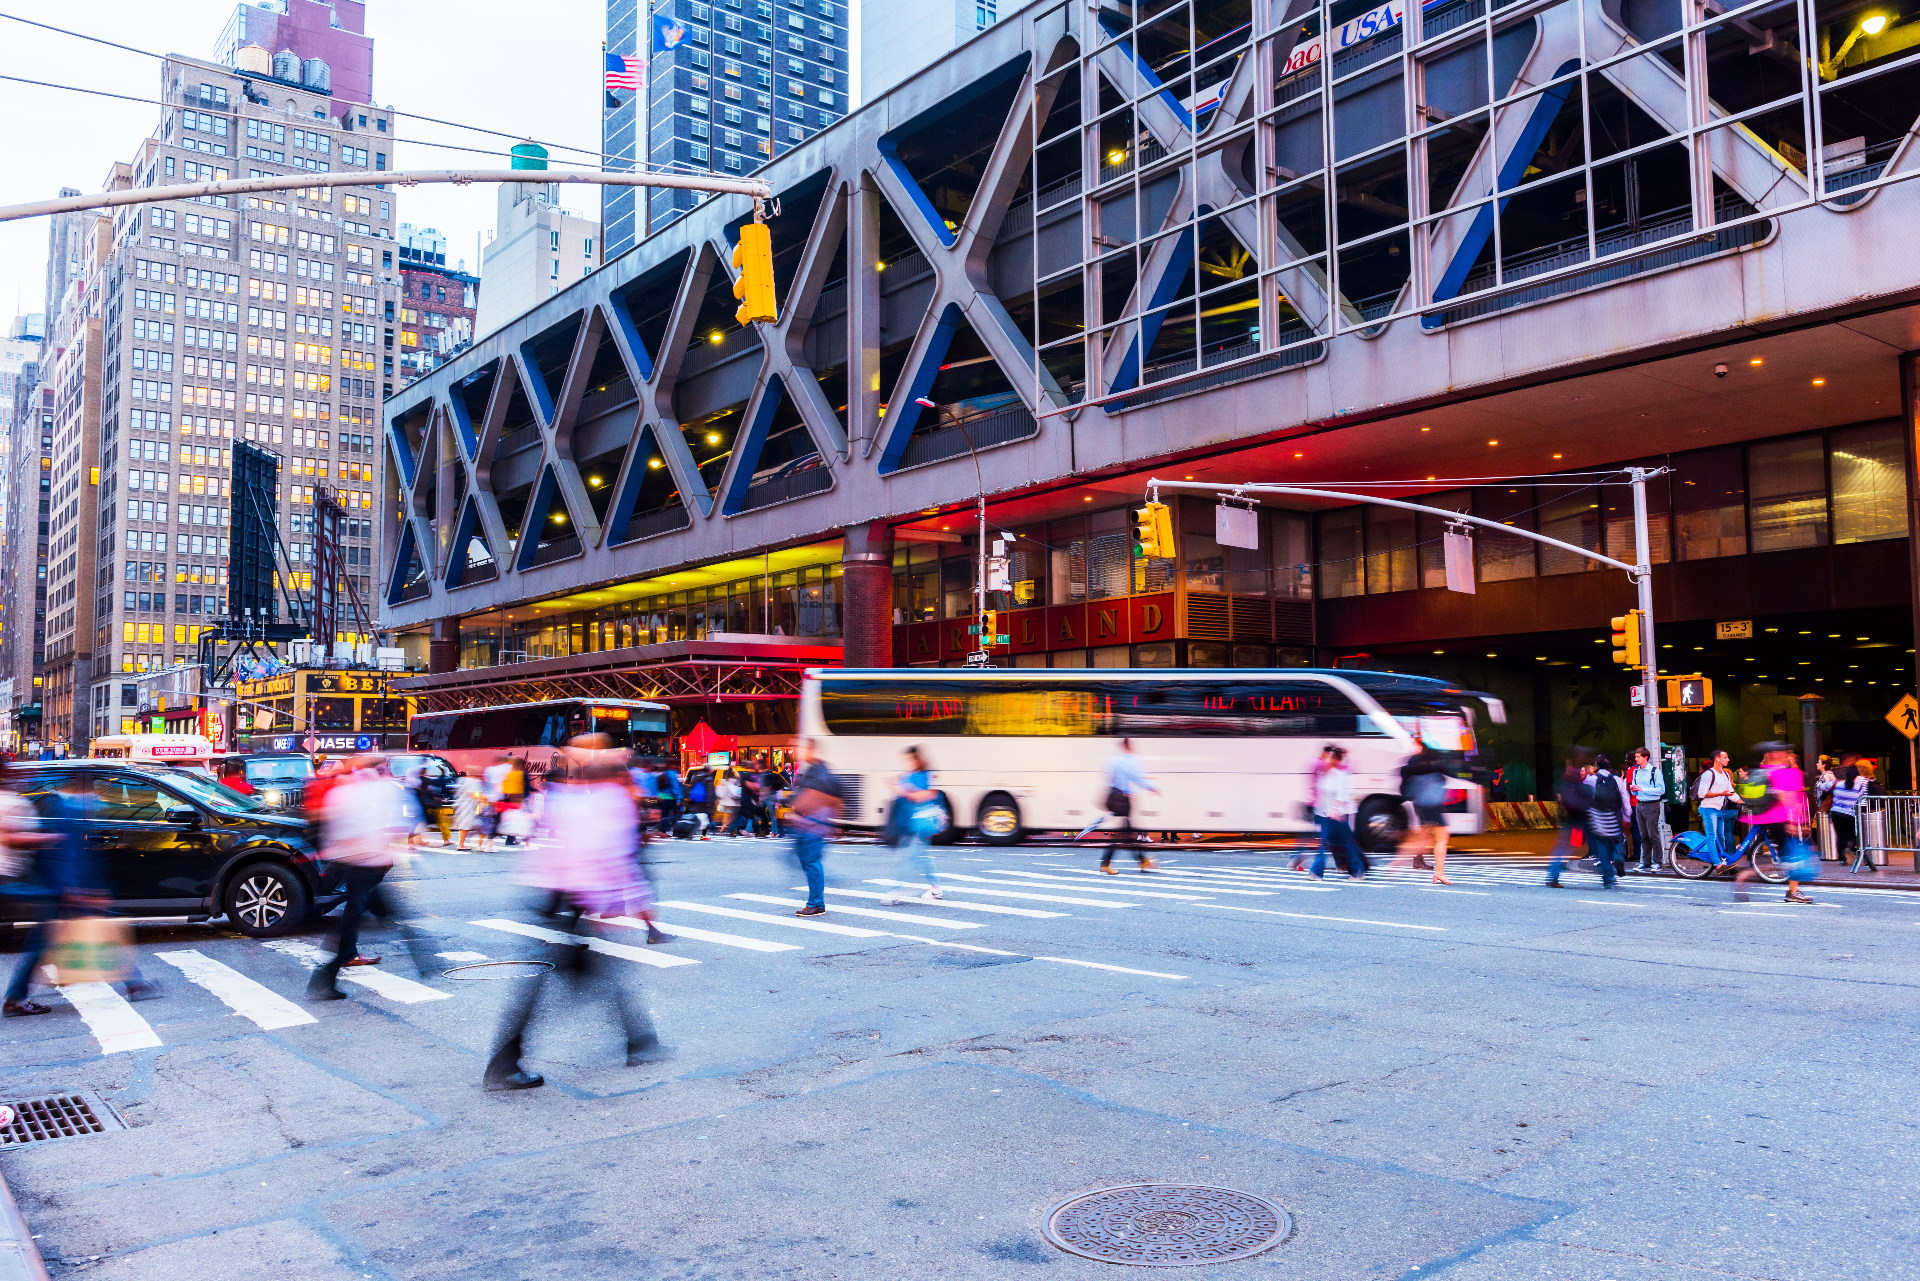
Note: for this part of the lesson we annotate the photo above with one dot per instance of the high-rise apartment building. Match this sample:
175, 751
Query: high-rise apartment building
23, 573
438, 303
537, 250
266, 318
728, 86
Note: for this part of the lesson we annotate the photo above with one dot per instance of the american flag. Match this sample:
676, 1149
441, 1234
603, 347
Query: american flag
623, 73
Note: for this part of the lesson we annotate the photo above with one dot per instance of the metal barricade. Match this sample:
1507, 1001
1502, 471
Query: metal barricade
1889, 825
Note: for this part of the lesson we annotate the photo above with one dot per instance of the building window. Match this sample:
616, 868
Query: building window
733, 163
553, 269
698, 151
553, 240
1787, 481
1869, 484
795, 133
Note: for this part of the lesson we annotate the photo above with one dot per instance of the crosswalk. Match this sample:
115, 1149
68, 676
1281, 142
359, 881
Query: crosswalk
1059, 905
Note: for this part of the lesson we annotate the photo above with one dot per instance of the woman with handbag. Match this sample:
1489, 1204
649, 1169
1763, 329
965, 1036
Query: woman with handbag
926, 818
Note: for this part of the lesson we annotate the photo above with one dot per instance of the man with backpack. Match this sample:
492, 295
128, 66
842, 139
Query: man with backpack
1606, 818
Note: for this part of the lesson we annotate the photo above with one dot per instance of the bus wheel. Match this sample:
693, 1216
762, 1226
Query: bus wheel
998, 821
950, 833
1380, 825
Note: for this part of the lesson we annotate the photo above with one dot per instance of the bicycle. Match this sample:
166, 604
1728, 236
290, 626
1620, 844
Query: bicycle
1703, 859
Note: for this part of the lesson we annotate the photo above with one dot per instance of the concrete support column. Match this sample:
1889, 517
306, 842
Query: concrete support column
443, 645
867, 610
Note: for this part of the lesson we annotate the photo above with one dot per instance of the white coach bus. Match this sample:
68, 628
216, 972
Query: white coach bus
1231, 750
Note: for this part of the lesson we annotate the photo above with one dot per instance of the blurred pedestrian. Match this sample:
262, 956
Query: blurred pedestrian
1718, 804
1648, 784
1334, 808
818, 803
1780, 813
1575, 800
926, 818
68, 880
1606, 818
1125, 780
670, 794
466, 809
1848, 788
1320, 766
1423, 785
589, 867
366, 812
726, 790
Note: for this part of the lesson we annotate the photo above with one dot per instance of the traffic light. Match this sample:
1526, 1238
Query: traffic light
989, 628
753, 267
1153, 532
1626, 638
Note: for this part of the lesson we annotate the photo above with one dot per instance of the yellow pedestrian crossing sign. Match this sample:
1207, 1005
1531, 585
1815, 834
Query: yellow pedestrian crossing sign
1905, 717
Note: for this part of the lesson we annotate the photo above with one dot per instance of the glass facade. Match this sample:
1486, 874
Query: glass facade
1215, 180
1847, 485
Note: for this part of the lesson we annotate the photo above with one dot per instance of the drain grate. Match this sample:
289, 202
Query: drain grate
499, 970
60, 1116
1167, 1225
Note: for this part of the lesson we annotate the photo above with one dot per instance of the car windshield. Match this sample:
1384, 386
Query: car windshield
279, 769
209, 793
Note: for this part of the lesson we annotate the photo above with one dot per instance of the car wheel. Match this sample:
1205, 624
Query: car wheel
265, 900
998, 821
1380, 825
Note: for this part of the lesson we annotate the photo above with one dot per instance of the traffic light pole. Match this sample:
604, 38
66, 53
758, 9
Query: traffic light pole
1649, 652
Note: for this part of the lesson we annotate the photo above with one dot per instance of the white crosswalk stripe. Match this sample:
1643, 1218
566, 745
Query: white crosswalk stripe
700, 935
391, 986
245, 997
818, 927
943, 922
1100, 882
659, 960
114, 1023
996, 909
972, 889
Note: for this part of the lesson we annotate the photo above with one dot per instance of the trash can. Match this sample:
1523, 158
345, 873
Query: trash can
1873, 835
1827, 851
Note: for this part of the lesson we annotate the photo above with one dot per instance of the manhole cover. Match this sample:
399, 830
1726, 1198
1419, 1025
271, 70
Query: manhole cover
1167, 1225
481, 970
62, 1116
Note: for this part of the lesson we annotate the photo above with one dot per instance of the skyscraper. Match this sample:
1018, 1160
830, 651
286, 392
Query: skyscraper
266, 318
729, 86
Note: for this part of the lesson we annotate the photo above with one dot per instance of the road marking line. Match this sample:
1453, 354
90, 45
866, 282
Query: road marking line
1212, 884
462, 956
700, 935
943, 922
1615, 902
658, 960
1029, 881
965, 947
391, 986
968, 889
1441, 889
1743, 911
245, 997
114, 1024
819, 927
996, 909
1117, 969
1345, 920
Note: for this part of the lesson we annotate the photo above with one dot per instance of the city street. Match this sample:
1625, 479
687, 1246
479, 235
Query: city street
1493, 1080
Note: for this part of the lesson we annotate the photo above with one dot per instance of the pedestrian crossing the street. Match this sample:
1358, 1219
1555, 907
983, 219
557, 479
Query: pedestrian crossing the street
1052, 905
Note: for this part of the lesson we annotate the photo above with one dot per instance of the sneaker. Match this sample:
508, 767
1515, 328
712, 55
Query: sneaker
16, 1008
811, 911
932, 896
892, 902
1795, 896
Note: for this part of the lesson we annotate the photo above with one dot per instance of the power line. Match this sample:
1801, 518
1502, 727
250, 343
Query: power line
146, 53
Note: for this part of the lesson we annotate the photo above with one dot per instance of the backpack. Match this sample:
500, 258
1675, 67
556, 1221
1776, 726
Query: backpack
699, 793
1606, 796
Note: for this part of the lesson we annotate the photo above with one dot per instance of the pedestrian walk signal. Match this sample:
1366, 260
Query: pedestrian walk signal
1626, 639
1153, 532
753, 275
1688, 694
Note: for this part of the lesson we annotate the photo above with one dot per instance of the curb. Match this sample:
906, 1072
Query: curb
19, 1257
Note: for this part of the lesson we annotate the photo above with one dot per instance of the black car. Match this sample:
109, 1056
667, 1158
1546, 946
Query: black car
175, 843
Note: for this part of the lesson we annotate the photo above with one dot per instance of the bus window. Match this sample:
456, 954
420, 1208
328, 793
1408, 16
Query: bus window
1082, 708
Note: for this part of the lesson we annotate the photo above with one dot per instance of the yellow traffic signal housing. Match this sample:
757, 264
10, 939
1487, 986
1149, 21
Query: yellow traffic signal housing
1153, 531
1688, 694
989, 628
1626, 639
753, 281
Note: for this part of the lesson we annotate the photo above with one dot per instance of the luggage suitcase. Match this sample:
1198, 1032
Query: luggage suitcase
685, 827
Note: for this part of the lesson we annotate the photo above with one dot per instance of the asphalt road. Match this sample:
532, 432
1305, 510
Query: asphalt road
1496, 1082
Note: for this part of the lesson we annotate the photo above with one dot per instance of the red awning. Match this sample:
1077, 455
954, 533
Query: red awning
702, 740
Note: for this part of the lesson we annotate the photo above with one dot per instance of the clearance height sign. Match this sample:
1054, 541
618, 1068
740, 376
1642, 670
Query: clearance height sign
1126, 620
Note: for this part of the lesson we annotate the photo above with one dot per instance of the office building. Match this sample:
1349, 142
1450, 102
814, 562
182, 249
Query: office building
747, 81
1196, 257
270, 319
314, 43
438, 305
899, 40
538, 248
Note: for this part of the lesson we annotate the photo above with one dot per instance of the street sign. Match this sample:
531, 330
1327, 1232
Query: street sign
311, 743
1737, 629
1637, 696
1905, 717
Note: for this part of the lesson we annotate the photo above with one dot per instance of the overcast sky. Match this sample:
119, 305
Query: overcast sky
530, 72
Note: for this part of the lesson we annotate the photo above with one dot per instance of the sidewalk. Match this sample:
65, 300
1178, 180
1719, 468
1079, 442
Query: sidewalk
1894, 876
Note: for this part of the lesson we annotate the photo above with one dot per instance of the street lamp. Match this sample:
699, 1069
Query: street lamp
1872, 25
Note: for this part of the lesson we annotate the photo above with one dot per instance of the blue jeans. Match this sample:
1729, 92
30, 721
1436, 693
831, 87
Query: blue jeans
916, 861
1336, 834
808, 847
1719, 828
1609, 857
